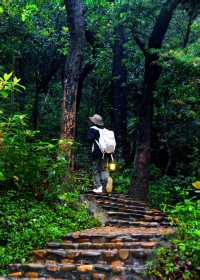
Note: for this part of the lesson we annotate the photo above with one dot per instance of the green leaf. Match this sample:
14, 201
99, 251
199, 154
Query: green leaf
197, 232
7, 76
1, 10
2, 177
4, 93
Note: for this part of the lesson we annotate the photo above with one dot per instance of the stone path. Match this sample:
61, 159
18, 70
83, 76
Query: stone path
118, 250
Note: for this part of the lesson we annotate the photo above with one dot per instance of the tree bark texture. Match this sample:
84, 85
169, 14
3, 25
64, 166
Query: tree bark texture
119, 97
72, 73
152, 72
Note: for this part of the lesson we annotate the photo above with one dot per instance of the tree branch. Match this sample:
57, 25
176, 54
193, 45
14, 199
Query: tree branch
139, 41
162, 24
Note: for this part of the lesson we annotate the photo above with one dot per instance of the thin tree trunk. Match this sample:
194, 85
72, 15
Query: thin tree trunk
35, 111
139, 187
119, 98
188, 31
72, 73
87, 69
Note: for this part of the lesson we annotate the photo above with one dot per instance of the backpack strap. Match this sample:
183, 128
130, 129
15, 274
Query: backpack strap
97, 128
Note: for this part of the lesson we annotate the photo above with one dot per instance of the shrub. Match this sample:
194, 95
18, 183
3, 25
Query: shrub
28, 164
26, 223
121, 180
182, 259
169, 190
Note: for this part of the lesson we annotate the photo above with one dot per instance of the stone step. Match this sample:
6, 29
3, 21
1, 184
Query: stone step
119, 204
115, 252
77, 271
141, 234
87, 256
124, 200
128, 223
134, 210
135, 216
109, 245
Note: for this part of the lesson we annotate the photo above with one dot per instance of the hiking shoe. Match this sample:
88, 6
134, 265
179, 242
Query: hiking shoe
98, 190
109, 185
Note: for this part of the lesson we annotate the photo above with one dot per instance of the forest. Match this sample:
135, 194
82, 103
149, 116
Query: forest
136, 63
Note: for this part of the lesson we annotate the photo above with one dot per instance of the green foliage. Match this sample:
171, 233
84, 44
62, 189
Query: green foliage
27, 163
182, 259
169, 190
9, 85
79, 180
121, 180
26, 223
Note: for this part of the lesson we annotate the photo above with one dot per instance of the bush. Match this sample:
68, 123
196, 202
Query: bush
182, 259
26, 163
26, 223
169, 190
121, 180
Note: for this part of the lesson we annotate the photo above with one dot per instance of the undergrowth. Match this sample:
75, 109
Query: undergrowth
182, 259
27, 224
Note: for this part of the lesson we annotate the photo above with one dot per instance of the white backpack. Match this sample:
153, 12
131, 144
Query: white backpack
107, 142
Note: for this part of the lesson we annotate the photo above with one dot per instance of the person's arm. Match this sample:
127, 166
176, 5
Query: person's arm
93, 135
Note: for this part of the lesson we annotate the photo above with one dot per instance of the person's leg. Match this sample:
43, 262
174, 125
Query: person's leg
104, 172
96, 170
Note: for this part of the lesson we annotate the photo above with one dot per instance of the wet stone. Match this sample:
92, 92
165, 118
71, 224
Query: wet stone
85, 277
117, 266
68, 267
84, 240
75, 235
110, 255
102, 267
51, 262
85, 268
98, 276
31, 274
39, 253
67, 261
72, 254
91, 253
123, 254
16, 274
125, 238
52, 267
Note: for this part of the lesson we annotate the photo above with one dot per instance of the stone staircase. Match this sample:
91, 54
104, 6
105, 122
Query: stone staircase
118, 250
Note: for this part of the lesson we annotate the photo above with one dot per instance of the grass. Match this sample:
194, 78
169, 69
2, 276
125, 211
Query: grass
27, 224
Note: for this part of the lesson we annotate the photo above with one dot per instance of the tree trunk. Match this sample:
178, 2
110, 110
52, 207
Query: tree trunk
139, 187
192, 16
72, 73
43, 79
35, 111
119, 98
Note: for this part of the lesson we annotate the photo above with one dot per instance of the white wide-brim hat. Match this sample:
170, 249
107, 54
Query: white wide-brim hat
96, 119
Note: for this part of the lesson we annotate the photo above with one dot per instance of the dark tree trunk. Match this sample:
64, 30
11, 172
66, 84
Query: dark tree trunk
119, 98
192, 15
87, 69
72, 73
152, 73
35, 111
42, 82
90, 38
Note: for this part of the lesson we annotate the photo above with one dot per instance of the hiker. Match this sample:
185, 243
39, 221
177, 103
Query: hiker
102, 147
